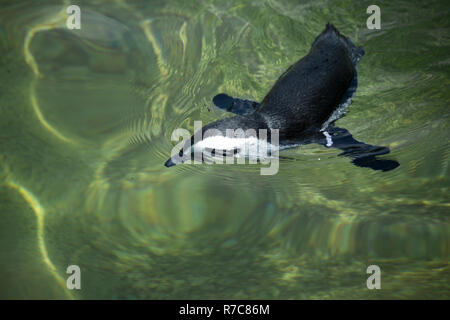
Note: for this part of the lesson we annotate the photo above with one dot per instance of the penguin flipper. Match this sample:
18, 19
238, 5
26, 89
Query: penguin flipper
235, 105
363, 155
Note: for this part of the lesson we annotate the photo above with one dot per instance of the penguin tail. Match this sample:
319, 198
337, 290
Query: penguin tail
331, 35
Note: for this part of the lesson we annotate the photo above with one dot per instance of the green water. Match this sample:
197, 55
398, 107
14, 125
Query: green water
85, 128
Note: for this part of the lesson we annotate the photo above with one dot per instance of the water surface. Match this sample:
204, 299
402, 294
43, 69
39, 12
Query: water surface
85, 128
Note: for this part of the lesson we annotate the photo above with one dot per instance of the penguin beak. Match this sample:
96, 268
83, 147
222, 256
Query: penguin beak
173, 161
169, 163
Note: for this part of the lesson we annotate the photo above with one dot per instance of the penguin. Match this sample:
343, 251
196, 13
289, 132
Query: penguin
303, 106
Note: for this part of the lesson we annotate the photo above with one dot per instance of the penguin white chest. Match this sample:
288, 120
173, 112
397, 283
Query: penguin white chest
246, 147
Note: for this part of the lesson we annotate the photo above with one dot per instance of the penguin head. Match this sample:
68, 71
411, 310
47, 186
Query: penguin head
179, 158
206, 149
215, 141
207, 144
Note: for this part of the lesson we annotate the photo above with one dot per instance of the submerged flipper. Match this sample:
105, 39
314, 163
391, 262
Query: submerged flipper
235, 105
363, 155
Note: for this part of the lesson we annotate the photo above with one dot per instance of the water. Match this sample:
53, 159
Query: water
87, 117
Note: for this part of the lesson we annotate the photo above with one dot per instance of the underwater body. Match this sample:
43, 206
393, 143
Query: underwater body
86, 126
302, 107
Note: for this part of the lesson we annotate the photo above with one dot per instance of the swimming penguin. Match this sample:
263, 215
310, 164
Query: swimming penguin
303, 106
